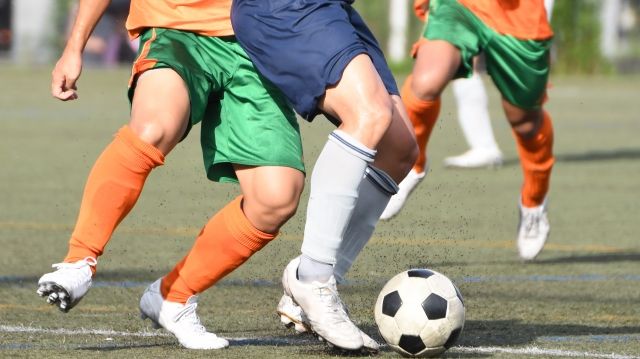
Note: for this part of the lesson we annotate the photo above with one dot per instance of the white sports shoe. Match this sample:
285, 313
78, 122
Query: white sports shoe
67, 284
292, 316
533, 230
405, 188
324, 312
179, 319
475, 158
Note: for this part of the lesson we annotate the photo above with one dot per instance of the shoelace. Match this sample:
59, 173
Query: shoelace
90, 261
531, 224
188, 315
329, 296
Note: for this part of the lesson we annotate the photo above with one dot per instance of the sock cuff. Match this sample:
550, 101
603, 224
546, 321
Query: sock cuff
413, 101
243, 230
381, 180
351, 145
150, 156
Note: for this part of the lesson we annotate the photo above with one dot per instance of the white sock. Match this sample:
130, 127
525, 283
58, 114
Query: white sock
335, 180
310, 270
548, 6
375, 191
473, 113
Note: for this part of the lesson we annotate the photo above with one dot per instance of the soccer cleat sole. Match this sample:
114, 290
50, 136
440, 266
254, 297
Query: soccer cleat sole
56, 295
154, 324
289, 322
302, 328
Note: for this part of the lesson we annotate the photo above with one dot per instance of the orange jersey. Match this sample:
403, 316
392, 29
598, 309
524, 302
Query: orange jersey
205, 17
523, 19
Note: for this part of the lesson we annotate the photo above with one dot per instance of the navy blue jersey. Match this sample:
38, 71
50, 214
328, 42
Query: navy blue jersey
303, 46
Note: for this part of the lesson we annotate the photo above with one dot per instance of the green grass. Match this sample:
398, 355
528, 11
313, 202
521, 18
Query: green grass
581, 295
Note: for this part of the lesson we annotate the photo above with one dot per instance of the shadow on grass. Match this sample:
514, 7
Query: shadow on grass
592, 258
515, 332
591, 156
576, 258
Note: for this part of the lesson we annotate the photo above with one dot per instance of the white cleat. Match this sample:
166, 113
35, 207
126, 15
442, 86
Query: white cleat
67, 284
292, 316
405, 188
179, 319
475, 158
324, 312
533, 230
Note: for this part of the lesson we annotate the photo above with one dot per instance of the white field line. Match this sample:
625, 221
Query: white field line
530, 351
80, 331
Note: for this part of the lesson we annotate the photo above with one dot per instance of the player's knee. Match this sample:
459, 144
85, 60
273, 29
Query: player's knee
276, 206
425, 86
527, 124
377, 116
150, 132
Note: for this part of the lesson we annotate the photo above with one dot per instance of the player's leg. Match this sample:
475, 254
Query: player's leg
339, 78
236, 232
532, 128
533, 132
159, 119
473, 116
437, 62
271, 176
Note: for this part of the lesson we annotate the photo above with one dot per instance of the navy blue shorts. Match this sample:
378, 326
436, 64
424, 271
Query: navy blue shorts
303, 46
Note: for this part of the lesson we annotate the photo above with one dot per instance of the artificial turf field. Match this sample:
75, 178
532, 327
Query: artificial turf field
580, 298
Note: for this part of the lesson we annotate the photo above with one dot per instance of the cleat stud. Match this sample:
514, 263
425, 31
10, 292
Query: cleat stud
300, 328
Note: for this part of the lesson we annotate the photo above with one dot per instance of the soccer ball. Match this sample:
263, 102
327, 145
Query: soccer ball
419, 313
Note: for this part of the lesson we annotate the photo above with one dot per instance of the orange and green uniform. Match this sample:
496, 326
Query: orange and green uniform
245, 121
515, 37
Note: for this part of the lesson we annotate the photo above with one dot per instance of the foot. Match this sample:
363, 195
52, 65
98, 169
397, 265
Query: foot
405, 188
67, 284
324, 312
475, 158
533, 230
179, 319
292, 316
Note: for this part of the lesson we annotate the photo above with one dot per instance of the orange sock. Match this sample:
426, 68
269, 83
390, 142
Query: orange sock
536, 158
423, 115
227, 241
113, 187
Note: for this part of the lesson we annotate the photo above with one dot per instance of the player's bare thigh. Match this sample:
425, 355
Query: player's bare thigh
361, 102
160, 108
436, 64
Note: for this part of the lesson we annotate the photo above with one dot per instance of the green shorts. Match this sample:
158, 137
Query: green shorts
245, 119
519, 68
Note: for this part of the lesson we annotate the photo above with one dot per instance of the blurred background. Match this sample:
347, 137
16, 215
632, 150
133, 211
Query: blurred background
592, 36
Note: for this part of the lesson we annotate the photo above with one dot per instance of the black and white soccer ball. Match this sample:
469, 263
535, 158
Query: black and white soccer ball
420, 313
